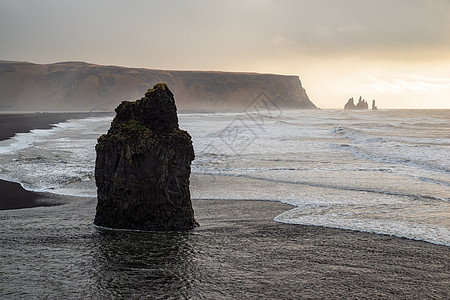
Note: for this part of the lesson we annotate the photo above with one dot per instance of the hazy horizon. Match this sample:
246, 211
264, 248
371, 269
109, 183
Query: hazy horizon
396, 52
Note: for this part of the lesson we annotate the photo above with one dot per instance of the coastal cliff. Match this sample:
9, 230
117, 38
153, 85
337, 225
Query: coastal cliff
143, 166
82, 86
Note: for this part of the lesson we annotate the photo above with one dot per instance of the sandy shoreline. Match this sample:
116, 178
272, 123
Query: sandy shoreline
240, 252
13, 196
10, 124
320, 262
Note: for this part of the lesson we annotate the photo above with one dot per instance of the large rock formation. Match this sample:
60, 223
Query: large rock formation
81, 86
143, 166
361, 105
374, 106
350, 105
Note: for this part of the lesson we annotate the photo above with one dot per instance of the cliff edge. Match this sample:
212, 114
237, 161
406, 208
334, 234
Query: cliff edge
81, 86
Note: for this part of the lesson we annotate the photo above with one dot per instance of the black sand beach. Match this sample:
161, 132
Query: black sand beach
315, 262
238, 252
12, 195
10, 124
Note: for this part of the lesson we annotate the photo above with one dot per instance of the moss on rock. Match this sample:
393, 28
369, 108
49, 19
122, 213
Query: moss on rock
143, 167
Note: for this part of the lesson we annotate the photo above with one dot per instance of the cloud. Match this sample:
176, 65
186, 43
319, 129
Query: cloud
407, 84
351, 27
206, 34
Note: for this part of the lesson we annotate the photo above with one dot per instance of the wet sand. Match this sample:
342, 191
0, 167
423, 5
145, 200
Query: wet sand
318, 262
12, 195
10, 124
238, 252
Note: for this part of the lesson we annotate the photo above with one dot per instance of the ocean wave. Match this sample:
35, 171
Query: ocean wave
224, 172
332, 167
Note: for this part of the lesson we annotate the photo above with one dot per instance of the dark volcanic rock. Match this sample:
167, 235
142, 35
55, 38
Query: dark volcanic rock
143, 166
361, 105
350, 104
374, 106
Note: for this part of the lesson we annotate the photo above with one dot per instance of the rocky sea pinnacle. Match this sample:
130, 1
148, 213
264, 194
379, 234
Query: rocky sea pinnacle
143, 167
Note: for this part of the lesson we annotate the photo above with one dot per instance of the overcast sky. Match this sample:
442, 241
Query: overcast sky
394, 51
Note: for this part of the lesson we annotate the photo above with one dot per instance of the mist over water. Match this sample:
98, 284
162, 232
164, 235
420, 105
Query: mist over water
379, 171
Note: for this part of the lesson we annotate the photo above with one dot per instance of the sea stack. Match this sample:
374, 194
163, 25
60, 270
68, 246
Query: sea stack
350, 104
143, 166
374, 106
361, 105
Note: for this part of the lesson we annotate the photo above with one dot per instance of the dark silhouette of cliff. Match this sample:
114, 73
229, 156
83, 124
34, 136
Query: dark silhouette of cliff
350, 104
374, 106
361, 105
82, 86
143, 166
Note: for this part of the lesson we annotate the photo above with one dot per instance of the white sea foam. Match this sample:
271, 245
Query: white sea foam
54, 160
356, 170
385, 172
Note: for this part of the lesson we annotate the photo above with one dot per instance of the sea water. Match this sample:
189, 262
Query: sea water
385, 171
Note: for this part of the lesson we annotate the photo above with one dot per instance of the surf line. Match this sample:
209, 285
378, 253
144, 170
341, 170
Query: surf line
328, 186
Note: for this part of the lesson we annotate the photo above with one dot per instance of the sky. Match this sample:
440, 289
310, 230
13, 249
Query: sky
394, 51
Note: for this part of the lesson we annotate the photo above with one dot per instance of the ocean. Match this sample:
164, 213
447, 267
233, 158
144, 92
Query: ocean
385, 172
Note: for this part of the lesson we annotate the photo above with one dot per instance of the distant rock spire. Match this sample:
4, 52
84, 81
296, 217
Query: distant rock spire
350, 104
361, 105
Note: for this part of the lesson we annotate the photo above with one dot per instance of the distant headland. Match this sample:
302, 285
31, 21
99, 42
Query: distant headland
361, 105
80, 86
